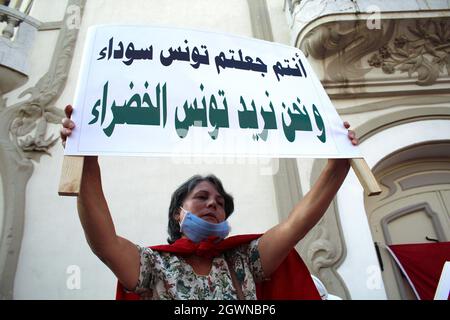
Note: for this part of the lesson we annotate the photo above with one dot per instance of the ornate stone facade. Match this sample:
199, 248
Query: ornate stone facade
397, 53
24, 137
394, 59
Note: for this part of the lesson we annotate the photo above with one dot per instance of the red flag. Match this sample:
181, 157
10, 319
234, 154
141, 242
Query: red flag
422, 264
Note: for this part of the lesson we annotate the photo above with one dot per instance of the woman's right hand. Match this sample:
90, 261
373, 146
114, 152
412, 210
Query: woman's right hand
67, 125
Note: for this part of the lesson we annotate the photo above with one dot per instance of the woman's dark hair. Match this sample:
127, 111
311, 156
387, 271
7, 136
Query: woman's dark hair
182, 192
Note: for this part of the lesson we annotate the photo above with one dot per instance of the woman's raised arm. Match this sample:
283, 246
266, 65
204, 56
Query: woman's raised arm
277, 242
119, 254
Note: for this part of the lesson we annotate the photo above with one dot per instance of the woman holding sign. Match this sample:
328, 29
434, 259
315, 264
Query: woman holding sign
201, 262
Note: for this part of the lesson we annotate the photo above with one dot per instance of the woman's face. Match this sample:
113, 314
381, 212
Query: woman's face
205, 202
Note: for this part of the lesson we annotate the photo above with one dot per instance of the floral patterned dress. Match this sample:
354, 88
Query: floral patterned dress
164, 275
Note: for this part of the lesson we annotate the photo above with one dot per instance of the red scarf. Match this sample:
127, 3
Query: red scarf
291, 281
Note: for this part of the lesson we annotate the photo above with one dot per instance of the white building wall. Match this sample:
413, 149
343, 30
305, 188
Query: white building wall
54, 251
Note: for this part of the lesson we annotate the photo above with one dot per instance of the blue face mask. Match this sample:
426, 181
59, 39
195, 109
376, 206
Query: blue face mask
197, 229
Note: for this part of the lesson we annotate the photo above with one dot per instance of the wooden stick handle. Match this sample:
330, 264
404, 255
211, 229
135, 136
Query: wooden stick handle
71, 174
365, 176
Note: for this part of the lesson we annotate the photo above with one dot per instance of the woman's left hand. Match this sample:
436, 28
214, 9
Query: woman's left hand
344, 163
276, 243
351, 134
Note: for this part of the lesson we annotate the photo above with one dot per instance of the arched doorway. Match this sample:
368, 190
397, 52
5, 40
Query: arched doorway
414, 206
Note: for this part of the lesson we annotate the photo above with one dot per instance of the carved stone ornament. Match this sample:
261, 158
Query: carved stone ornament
23, 136
424, 51
344, 44
394, 59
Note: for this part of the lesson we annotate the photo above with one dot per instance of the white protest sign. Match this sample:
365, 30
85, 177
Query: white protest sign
166, 91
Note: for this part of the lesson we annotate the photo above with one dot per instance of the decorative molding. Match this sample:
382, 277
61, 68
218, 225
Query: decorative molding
416, 176
29, 126
424, 50
291, 4
414, 100
424, 151
23, 136
345, 44
260, 20
424, 180
404, 56
420, 46
325, 255
380, 123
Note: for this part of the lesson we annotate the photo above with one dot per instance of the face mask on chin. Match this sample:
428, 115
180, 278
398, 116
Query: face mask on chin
197, 229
